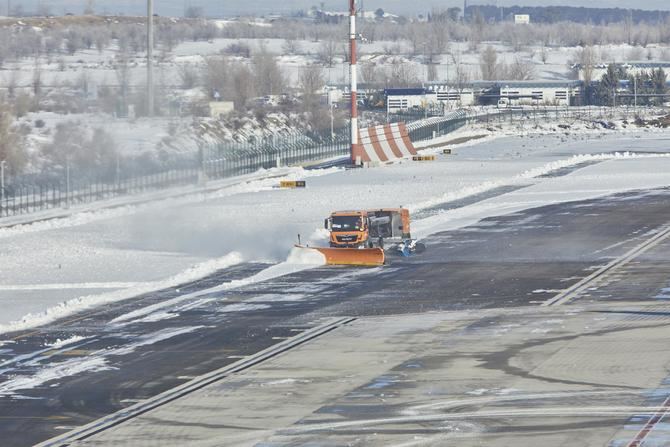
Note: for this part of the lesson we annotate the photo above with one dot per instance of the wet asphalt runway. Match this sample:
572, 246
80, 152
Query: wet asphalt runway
514, 260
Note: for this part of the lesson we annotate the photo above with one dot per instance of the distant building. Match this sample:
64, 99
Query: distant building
557, 93
403, 99
521, 19
333, 93
452, 96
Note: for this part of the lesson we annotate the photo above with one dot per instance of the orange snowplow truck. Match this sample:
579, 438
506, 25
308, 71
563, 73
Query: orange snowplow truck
357, 237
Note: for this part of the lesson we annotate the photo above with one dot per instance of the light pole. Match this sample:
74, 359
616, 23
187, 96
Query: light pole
2, 186
150, 58
332, 123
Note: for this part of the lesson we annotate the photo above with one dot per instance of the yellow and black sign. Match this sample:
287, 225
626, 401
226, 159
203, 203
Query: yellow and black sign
423, 158
292, 184
446, 151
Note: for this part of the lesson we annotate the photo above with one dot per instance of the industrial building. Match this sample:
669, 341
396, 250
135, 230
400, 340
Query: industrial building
433, 96
555, 93
442, 96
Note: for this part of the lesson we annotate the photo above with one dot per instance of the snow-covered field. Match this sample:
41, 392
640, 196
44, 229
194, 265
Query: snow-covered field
99, 67
107, 255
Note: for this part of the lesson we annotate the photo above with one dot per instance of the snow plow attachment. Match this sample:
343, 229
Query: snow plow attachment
365, 257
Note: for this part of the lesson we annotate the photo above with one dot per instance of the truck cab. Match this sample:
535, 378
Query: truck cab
349, 229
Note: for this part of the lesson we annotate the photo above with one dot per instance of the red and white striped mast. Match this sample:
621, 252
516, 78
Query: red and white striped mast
355, 146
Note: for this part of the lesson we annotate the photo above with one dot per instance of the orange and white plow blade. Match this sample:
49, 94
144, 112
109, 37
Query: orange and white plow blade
367, 257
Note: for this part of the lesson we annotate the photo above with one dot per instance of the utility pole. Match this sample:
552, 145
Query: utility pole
635, 91
150, 58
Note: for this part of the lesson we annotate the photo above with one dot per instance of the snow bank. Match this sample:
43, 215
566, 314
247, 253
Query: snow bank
86, 302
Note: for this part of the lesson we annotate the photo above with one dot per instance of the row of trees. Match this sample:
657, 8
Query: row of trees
130, 37
442, 27
428, 38
82, 150
643, 88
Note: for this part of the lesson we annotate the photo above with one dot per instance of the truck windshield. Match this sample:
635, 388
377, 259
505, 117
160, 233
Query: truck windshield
346, 223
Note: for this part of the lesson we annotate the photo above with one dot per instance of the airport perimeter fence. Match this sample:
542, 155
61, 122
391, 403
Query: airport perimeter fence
34, 193
29, 194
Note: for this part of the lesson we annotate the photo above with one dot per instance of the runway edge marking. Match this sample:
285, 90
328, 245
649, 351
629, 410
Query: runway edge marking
198, 383
573, 291
657, 417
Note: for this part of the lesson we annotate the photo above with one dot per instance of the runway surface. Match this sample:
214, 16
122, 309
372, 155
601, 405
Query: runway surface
120, 354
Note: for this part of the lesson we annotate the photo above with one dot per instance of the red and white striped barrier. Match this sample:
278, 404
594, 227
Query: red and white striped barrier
384, 143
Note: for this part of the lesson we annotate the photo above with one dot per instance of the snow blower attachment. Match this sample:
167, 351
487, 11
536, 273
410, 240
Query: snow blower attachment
361, 237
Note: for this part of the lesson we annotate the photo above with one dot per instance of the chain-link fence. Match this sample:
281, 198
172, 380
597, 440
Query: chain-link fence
29, 194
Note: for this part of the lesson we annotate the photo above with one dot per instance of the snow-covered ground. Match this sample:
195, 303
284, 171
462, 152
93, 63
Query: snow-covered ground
107, 255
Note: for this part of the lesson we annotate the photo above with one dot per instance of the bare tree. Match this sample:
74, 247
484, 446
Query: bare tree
188, 75
215, 78
369, 73
242, 85
91, 154
73, 42
586, 62
327, 51
268, 77
488, 63
101, 40
401, 74
12, 82
11, 142
311, 80
123, 75
520, 70
291, 45
544, 55
37, 78
53, 44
